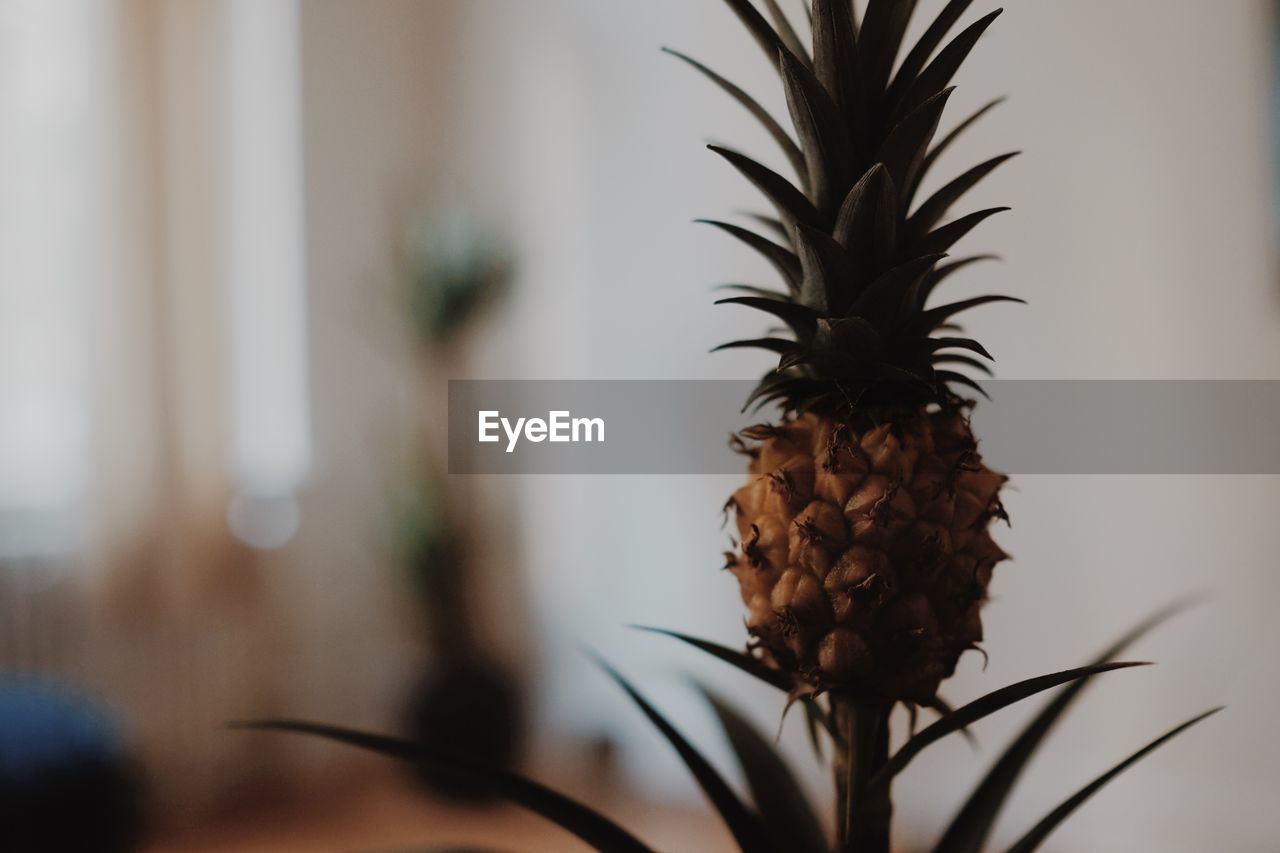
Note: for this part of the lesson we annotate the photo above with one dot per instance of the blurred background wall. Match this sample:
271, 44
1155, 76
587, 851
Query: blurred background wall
207, 387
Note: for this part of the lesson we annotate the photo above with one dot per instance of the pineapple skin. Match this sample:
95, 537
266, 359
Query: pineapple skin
866, 554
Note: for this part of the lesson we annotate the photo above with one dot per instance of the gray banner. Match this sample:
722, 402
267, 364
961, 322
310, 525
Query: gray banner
1028, 427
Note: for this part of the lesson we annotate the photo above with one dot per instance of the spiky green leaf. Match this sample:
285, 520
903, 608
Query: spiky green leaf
944, 238
938, 75
799, 318
906, 146
778, 797
786, 32
765, 35
767, 121
823, 137
969, 830
738, 659
947, 141
935, 317
1036, 836
930, 212
792, 205
781, 258
743, 823
781, 346
835, 49
913, 63
981, 708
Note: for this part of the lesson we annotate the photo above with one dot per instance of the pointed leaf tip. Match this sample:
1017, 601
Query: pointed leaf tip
984, 707
743, 823
971, 826
1036, 836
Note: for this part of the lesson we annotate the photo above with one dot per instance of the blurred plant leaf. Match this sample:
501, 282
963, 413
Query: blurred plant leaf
779, 799
980, 708
741, 660
743, 823
972, 825
585, 823
1033, 839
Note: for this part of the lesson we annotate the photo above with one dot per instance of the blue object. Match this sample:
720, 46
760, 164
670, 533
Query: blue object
44, 726
66, 782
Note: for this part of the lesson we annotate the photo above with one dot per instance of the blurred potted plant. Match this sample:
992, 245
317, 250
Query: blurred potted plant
466, 701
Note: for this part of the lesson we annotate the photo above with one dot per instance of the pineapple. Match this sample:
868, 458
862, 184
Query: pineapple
864, 553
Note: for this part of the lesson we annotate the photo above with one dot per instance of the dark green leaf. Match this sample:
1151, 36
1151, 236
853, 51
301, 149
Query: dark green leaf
937, 344
972, 825
772, 223
585, 823
883, 27
937, 704
944, 271
813, 725
946, 142
904, 150
765, 36
782, 259
786, 32
792, 205
822, 133
742, 822
935, 317
950, 377
966, 361
762, 292
781, 346
867, 222
770, 124
835, 49
980, 708
944, 238
1033, 839
818, 714
799, 318
930, 213
779, 798
741, 660
882, 300
826, 267
916, 58
938, 75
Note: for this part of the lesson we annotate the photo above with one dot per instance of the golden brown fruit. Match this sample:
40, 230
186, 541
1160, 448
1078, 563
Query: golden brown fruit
866, 555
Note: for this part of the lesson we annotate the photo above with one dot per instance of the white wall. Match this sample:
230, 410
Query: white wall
1143, 237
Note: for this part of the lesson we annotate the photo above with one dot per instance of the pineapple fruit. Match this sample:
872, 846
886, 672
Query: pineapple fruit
864, 552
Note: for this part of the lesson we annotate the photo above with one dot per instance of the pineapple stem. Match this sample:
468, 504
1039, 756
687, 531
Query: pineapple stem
863, 821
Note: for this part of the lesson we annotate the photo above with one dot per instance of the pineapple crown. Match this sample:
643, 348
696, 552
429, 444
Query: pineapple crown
859, 257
